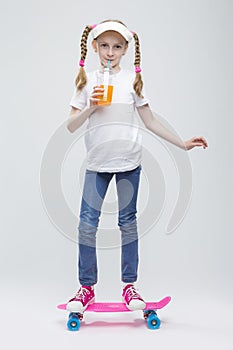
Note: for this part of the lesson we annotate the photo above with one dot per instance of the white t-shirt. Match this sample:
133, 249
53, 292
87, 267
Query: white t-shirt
112, 138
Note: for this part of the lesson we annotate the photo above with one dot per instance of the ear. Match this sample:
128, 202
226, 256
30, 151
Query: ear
126, 48
94, 45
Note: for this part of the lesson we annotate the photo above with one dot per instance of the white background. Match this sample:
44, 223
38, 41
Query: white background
187, 57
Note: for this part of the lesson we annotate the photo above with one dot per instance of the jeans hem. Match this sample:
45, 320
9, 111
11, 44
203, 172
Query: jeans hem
129, 281
88, 284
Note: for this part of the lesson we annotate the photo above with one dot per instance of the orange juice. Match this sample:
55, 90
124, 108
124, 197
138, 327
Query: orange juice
108, 99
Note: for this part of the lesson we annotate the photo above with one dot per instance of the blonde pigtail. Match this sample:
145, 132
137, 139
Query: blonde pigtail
138, 83
81, 78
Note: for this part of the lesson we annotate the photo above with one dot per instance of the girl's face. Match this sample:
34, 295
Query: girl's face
111, 46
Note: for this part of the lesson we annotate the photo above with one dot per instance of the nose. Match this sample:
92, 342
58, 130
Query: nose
110, 52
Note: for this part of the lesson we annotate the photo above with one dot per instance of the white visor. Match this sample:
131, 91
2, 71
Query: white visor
115, 26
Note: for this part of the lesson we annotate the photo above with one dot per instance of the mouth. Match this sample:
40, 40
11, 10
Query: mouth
105, 63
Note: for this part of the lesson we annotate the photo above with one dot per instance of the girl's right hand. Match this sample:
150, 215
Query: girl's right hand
97, 93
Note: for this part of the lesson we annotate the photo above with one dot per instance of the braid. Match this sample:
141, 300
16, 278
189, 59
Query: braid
81, 79
138, 83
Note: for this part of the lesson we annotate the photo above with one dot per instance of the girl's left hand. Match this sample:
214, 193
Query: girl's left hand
195, 142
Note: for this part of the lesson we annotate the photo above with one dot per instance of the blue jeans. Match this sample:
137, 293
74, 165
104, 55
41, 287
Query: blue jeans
95, 188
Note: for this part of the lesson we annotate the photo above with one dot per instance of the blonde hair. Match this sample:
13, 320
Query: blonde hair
81, 79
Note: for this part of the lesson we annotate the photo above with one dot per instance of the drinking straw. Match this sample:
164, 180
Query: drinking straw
106, 80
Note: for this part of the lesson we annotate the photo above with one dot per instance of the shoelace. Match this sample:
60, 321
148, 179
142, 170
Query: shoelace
82, 293
132, 293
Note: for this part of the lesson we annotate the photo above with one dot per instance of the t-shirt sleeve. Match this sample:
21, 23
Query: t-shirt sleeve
140, 101
79, 99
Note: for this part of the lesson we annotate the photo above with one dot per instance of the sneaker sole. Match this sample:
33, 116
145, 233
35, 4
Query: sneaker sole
77, 306
135, 307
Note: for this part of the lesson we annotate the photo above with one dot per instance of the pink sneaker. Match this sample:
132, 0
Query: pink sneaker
132, 298
84, 297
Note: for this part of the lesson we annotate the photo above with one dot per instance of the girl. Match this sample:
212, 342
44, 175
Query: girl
112, 149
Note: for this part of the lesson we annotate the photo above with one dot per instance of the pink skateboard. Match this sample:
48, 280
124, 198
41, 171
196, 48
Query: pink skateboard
149, 312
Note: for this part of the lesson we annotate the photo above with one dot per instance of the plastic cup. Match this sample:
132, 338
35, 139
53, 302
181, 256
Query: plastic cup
107, 98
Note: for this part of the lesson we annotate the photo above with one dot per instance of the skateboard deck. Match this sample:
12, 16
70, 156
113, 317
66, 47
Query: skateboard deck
120, 307
149, 312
